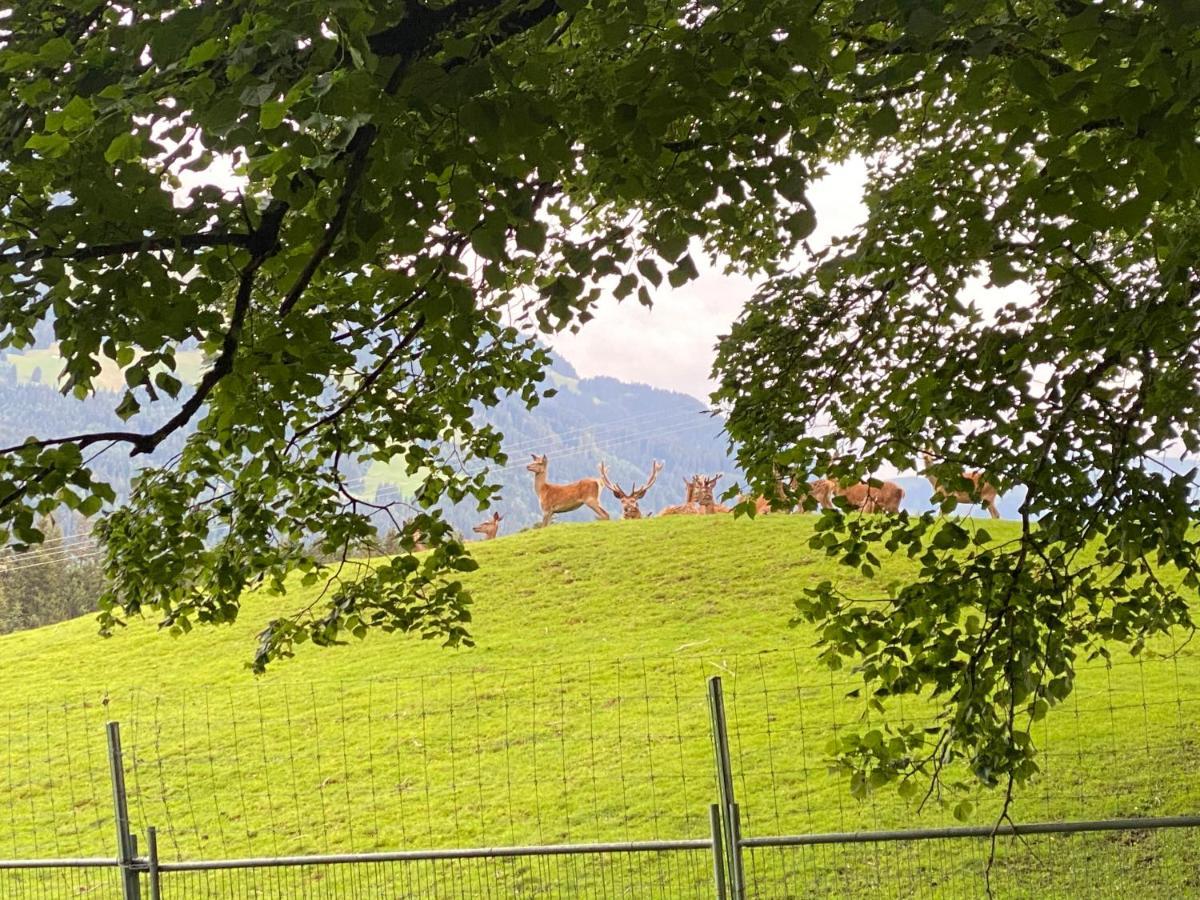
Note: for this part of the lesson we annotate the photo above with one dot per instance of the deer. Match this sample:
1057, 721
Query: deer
489, 528
629, 501
560, 498
688, 507
982, 491
864, 497
704, 495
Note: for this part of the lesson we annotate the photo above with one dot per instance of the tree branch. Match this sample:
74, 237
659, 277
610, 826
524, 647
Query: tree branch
413, 37
359, 148
368, 380
125, 248
263, 243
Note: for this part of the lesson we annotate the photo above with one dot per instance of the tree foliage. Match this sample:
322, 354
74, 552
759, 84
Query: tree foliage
410, 176
407, 179
1047, 145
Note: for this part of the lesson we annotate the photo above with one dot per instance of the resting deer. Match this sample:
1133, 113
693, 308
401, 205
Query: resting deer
982, 491
704, 495
864, 497
629, 501
560, 498
489, 528
688, 507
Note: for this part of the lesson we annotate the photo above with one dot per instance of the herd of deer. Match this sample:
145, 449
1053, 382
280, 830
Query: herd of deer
698, 500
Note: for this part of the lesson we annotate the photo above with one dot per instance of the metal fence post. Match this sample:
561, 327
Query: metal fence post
714, 822
729, 812
152, 859
126, 845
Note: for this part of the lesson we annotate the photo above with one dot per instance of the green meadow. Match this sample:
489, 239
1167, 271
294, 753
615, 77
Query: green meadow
579, 716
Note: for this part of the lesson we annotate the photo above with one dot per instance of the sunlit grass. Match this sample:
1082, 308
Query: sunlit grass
579, 715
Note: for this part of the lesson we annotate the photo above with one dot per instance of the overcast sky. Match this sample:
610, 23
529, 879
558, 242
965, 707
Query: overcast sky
673, 344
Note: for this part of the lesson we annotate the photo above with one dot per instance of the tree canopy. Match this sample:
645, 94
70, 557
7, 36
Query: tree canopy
1051, 146
408, 181
411, 179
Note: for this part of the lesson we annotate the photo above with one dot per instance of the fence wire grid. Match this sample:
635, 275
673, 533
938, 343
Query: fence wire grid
595, 753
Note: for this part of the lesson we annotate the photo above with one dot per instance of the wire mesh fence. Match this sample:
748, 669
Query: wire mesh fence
665, 871
60, 880
594, 753
1107, 864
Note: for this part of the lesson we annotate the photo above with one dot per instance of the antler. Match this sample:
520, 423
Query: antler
640, 492
617, 492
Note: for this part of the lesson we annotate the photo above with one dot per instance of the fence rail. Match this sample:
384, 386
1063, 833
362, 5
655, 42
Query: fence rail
652, 787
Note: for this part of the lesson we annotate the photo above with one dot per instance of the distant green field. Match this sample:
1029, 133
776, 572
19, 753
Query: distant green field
46, 364
393, 473
579, 716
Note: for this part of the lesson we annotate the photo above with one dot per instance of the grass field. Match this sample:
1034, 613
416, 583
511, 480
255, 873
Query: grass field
47, 364
579, 716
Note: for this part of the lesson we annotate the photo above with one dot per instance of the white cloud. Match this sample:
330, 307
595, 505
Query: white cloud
672, 345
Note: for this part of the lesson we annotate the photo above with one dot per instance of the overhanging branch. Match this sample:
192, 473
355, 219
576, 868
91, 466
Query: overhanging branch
125, 248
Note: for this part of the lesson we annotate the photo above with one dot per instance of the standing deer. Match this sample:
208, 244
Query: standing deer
629, 501
864, 497
982, 491
560, 498
489, 528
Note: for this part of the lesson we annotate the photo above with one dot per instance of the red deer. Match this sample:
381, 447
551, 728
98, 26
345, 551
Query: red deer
867, 498
762, 505
982, 491
489, 528
688, 507
704, 496
629, 501
560, 498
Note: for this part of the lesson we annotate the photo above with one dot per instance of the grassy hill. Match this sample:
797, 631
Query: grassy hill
580, 716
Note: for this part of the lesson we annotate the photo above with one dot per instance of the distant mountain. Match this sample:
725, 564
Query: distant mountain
588, 420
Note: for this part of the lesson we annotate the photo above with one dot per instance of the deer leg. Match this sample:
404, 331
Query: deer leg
546, 517
594, 506
992, 511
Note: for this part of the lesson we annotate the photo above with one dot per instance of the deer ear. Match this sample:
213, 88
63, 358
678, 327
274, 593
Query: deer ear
496, 517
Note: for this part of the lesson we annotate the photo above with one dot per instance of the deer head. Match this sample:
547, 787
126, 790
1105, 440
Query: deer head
629, 501
489, 528
539, 464
703, 489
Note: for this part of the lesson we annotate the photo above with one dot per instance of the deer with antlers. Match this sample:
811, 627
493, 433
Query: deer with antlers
704, 495
698, 500
867, 498
489, 528
982, 491
629, 501
688, 506
560, 498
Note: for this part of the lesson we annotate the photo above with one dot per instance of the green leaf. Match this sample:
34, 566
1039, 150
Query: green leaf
271, 113
48, 146
488, 240
683, 273
884, 122
203, 52
650, 271
125, 146
128, 407
77, 114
